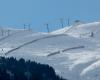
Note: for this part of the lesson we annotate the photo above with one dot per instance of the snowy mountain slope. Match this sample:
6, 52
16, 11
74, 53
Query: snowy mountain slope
61, 31
81, 30
85, 29
5, 32
19, 38
53, 43
72, 50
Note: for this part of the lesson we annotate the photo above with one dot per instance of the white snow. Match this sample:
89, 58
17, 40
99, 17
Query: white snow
75, 54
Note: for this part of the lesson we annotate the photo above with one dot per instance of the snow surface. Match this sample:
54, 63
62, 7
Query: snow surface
71, 51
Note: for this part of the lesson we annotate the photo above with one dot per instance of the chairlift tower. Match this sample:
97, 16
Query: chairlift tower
47, 26
27, 25
2, 32
62, 22
8, 32
24, 26
68, 22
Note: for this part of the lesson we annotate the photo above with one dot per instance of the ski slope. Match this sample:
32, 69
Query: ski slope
71, 51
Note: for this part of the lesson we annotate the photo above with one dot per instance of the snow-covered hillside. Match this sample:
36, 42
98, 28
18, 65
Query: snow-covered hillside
74, 51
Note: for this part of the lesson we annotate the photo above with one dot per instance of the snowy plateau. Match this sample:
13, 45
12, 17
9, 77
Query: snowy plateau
73, 51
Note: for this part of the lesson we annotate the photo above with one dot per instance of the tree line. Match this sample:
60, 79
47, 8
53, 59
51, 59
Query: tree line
12, 69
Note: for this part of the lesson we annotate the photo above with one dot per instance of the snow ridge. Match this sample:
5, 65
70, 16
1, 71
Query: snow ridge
70, 50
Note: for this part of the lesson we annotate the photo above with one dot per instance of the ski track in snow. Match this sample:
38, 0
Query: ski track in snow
33, 41
78, 61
